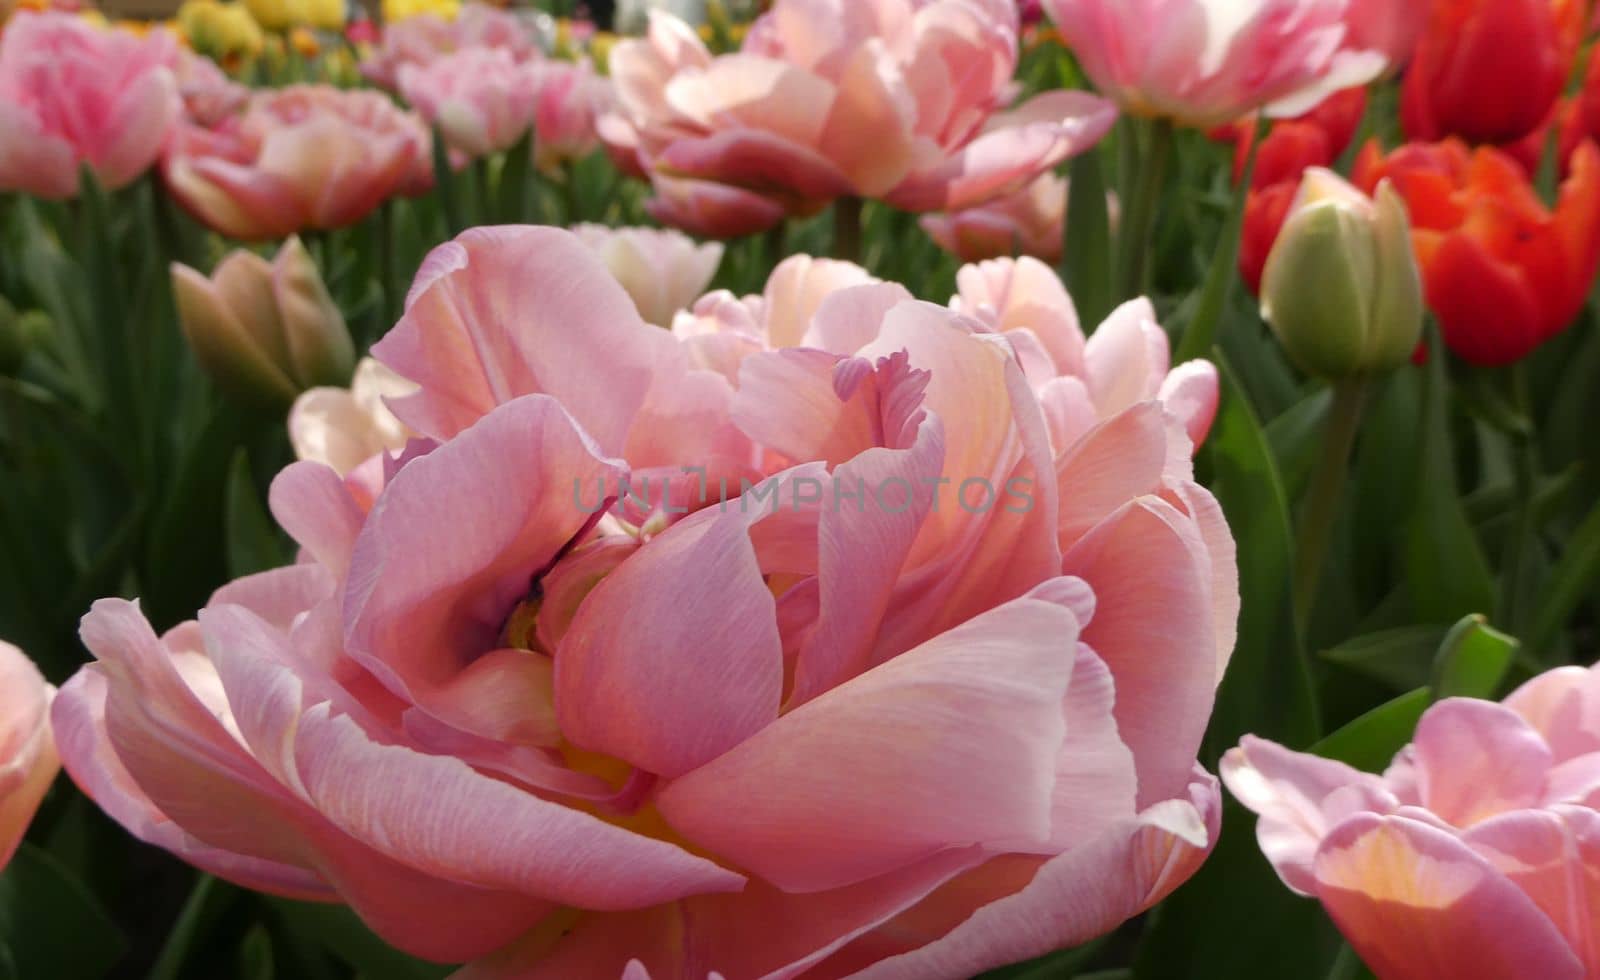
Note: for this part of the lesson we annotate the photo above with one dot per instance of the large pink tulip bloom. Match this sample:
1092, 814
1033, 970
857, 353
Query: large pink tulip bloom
1208, 62
1477, 854
424, 38
300, 158
512, 725
481, 100
27, 753
74, 95
898, 100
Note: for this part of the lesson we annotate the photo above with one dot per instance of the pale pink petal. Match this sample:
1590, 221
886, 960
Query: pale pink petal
1190, 392
1299, 798
1126, 358
1477, 758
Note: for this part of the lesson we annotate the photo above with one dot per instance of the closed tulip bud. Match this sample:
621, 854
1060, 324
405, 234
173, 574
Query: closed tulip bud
264, 331
1341, 289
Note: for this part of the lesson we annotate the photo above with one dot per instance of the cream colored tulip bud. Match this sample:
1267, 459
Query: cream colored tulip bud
1341, 288
264, 331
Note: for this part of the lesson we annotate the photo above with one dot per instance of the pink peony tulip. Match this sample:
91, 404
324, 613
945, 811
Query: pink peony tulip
299, 158
424, 38
1028, 222
27, 753
570, 101
74, 95
890, 99
480, 99
606, 680
1208, 62
663, 271
1477, 854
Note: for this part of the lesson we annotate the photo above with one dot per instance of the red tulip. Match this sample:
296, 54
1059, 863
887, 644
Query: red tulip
1502, 272
1489, 71
1315, 139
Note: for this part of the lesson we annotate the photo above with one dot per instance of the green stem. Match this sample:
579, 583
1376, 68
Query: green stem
775, 243
1327, 488
1149, 176
483, 187
847, 229
387, 272
1512, 610
1201, 333
208, 902
445, 186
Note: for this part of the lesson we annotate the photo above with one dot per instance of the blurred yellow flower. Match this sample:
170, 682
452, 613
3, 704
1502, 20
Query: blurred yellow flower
282, 15
600, 51
396, 10
222, 30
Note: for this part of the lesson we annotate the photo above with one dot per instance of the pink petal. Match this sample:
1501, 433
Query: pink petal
839, 790
1551, 855
1299, 798
1416, 902
28, 762
1151, 576
868, 133
1190, 393
311, 503
1126, 358
509, 311
635, 675
456, 541
1564, 705
1078, 895
1015, 149
91, 760
1477, 758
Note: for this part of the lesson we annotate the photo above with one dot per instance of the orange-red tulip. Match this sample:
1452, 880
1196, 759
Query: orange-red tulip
1489, 71
1502, 272
1315, 139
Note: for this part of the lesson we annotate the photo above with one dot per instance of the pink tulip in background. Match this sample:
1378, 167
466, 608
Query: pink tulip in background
1477, 854
298, 158
1207, 62
1028, 222
424, 38
74, 95
519, 715
1386, 26
27, 753
570, 100
481, 100
209, 95
663, 271
888, 99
